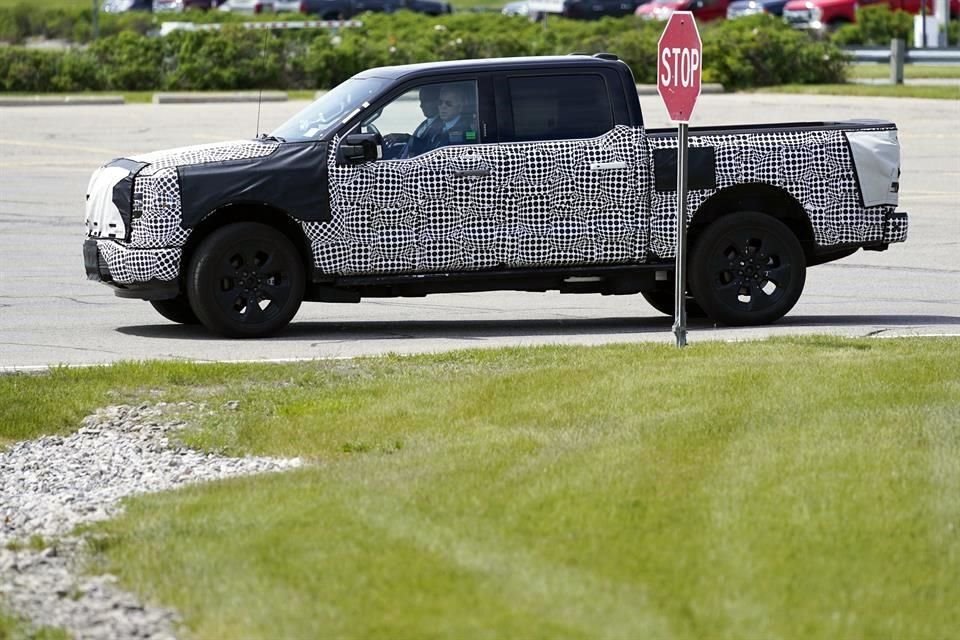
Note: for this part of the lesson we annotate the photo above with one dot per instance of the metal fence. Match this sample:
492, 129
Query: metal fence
910, 56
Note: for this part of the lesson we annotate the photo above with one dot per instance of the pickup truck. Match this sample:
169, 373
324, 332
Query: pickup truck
528, 174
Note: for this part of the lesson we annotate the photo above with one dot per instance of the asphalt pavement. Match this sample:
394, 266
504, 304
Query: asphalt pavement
51, 315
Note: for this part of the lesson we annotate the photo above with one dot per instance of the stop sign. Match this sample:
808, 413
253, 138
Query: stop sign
679, 56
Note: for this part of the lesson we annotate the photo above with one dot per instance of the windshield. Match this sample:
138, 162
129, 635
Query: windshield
327, 113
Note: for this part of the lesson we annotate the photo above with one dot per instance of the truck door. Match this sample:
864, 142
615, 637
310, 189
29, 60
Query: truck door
570, 176
429, 202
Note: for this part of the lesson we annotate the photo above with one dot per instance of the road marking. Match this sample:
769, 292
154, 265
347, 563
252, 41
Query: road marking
67, 147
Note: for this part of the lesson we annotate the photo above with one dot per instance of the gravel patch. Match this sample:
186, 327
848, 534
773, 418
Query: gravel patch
50, 485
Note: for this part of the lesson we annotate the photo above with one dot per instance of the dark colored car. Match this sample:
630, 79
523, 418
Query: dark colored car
596, 9
574, 9
339, 9
742, 8
184, 5
122, 6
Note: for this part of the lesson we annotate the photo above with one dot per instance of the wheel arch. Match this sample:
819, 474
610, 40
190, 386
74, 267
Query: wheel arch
762, 198
249, 212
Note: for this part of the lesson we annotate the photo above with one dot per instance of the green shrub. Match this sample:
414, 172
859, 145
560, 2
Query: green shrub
234, 58
129, 61
28, 70
763, 51
78, 71
876, 25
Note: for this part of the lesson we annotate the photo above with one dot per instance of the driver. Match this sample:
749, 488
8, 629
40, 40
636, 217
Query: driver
426, 130
450, 114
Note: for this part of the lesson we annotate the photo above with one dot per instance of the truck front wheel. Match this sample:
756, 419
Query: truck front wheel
662, 300
245, 280
747, 269
176, 310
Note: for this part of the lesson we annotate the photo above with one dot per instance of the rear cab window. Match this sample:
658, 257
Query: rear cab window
554, 107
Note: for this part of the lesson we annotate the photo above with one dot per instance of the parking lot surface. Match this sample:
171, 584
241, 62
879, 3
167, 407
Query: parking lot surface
50, 314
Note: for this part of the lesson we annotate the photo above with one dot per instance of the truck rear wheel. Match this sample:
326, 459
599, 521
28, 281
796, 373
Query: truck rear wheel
747, 268
245, 280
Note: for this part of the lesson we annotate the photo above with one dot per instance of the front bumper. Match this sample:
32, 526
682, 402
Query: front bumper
104, 261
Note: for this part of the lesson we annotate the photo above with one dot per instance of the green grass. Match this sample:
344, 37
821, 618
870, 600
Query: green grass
797, 488
53, 4
873, 90
12, 628
912, 71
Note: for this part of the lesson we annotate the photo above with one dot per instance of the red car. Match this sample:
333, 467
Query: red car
702, 9
822, 15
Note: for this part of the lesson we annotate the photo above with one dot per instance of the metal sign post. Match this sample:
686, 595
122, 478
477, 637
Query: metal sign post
680, 279
679, 55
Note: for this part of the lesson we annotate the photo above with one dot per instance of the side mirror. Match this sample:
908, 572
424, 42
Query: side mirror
358, 148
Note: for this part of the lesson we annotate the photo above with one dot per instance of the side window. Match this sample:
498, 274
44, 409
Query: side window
560, 107
426, 117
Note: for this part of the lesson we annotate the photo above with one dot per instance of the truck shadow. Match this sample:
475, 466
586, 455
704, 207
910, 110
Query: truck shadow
342, 331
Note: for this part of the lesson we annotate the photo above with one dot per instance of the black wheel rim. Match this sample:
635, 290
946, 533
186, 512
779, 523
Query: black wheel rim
254, 283
751, 270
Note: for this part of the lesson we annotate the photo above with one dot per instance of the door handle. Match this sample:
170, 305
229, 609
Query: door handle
606, 166
471, 173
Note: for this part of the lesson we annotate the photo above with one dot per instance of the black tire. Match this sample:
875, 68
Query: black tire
662, 301
245, 280
176, 310
747, 269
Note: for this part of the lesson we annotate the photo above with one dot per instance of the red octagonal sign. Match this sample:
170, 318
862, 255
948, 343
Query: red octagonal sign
679, 57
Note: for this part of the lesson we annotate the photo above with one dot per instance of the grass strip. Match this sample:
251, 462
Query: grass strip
801, 488
911, 71
938, 92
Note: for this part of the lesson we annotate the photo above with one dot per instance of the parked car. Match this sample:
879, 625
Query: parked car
342, 9
182, 5
287, 6
521, 174
122, 6
596, 9
703, 10
741, 8
252, 6
517, 8
574, 9
824, 15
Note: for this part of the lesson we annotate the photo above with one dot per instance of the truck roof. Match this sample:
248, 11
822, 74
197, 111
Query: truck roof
489, 64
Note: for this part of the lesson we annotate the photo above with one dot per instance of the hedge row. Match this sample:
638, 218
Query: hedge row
752, 52
876, 24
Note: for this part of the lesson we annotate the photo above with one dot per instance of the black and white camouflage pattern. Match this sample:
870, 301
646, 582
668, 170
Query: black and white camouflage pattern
815, 167
156, 237
465, 208
539, 204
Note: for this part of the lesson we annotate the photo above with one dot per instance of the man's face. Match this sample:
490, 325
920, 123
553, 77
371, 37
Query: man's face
429, 104
450, 105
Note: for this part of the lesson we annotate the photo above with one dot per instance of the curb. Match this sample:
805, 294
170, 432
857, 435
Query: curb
55, 101
651, 89
201, 98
